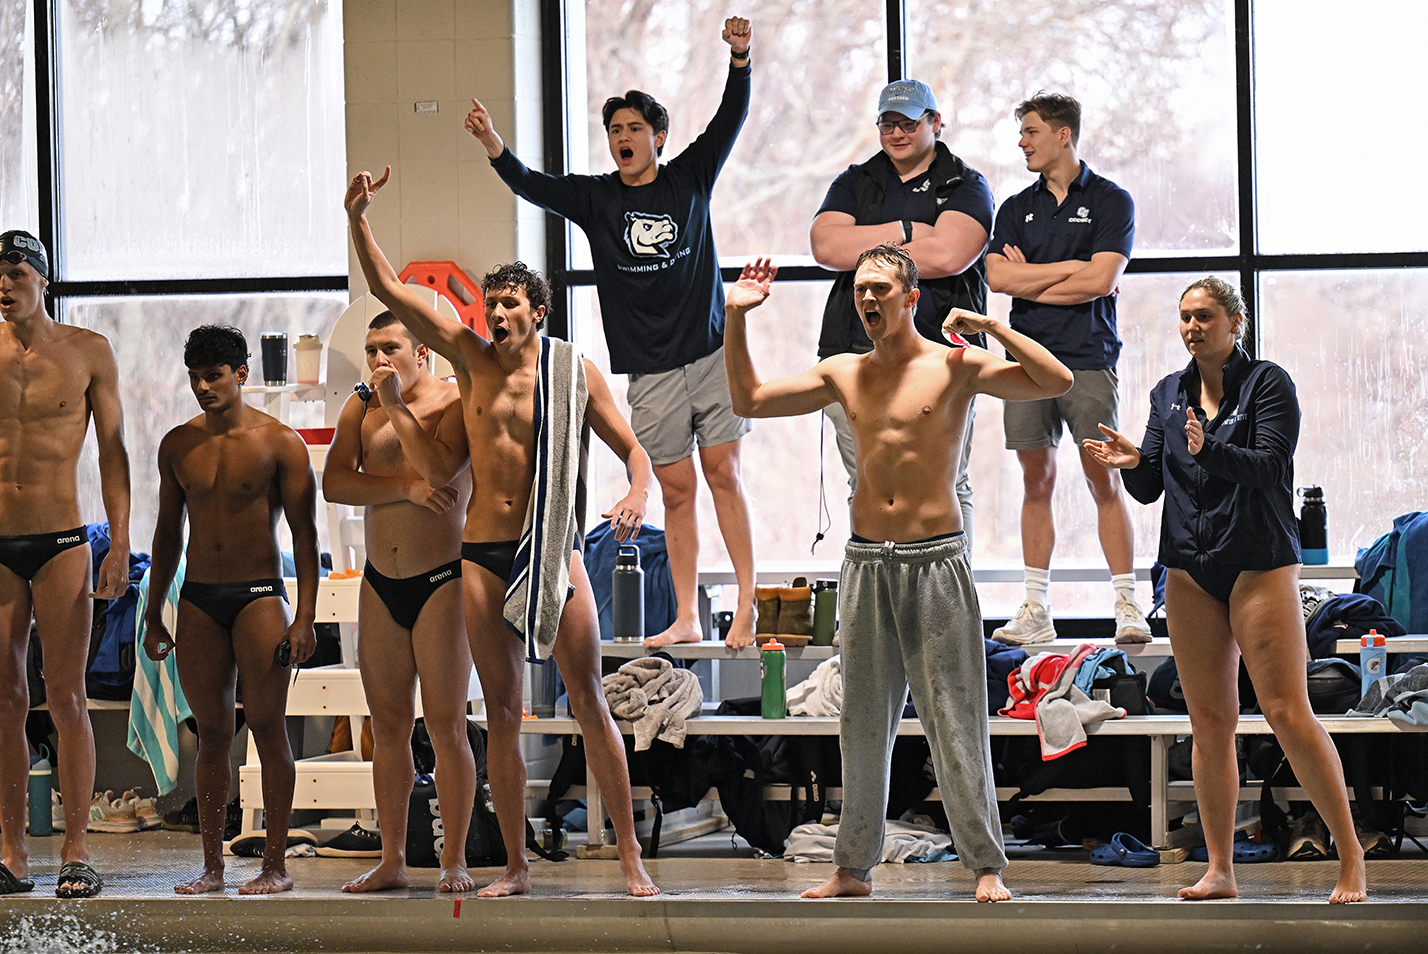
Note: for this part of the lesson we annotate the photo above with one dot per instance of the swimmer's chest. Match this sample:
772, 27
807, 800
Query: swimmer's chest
235, 468
381, 448
42, 384
501, 413
920, 400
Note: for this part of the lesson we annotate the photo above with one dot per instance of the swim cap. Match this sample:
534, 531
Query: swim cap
31, 248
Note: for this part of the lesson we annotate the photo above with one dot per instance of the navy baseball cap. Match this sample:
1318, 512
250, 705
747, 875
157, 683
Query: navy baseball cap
17, 245
909, 98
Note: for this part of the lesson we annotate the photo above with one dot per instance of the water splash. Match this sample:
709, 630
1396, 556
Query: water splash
59, 934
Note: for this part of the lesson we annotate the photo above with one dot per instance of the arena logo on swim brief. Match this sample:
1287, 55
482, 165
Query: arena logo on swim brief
260, 589
77, 538
440, 576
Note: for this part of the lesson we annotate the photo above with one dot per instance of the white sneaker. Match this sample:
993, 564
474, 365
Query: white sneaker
1031, 624
1131, 626
144, 810
112, 814
56, 812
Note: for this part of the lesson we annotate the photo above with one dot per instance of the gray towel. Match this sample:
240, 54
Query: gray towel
656, 697
1063, 711
540, 577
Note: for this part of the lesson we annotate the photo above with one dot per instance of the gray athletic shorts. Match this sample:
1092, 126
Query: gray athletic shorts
668, 409
1092, 400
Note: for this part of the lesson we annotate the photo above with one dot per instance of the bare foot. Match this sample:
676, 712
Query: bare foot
268, 882
683, 631
512, 882
456, 880
1353, 881
990, 887
741, 630
638, 883
1211, 886
380, 878
841, 885
210, 880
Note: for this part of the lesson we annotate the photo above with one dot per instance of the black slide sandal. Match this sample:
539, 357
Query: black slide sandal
80, 871
9, 884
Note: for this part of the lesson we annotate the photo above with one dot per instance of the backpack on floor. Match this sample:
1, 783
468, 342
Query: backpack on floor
426, 834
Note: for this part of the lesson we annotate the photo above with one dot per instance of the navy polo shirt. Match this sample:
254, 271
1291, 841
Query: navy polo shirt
905, 200
1097, 216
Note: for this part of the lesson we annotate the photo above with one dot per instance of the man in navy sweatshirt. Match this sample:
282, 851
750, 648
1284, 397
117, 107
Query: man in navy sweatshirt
661, 297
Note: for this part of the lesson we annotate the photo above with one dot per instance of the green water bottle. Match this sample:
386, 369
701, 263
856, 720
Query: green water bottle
772, 660
825, 612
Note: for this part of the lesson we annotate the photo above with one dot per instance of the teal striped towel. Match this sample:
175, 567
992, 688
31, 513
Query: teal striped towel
158, 704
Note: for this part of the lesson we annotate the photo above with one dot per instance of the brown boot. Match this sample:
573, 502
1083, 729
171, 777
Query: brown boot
768, 616
795, 618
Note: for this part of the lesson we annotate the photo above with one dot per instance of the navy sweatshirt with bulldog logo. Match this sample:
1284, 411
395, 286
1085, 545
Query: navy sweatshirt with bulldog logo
656, 269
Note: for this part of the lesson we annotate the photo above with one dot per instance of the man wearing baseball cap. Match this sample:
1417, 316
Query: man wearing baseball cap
53, 378
913, 192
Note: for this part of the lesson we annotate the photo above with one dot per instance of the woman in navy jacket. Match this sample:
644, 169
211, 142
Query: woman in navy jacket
1220, 446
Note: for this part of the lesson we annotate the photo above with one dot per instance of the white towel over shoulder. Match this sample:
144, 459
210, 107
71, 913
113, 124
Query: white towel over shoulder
540, 576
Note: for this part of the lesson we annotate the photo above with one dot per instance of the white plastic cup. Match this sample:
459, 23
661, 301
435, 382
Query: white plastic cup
308, 366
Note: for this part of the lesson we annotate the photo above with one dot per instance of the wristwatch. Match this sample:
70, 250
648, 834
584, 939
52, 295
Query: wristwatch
906, 231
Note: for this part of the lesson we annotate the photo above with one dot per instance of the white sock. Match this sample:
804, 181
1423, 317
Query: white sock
1125, 586
1037, 582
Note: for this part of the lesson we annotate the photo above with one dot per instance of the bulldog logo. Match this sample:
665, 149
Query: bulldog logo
649, 235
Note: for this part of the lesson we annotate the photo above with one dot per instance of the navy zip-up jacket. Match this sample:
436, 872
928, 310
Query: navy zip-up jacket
1232, 505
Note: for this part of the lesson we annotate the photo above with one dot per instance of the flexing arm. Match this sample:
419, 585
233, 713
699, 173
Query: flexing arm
103, 397
1035, 374
786, 397
166, 550
297, 489
443, 335
611, 427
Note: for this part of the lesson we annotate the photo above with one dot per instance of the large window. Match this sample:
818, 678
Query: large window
185, 173
201, 143
1155, 81
1246, 156
148, 336
1333, 144
19, 189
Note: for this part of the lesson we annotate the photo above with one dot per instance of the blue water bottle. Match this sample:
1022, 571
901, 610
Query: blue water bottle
1373, 659
40, 818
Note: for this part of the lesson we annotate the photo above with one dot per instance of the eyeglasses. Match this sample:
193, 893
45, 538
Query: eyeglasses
908, 126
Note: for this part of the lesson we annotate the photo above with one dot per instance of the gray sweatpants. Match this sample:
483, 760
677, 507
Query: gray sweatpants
910, 617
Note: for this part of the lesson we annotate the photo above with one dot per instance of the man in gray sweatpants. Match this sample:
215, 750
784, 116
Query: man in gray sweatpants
910, 611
